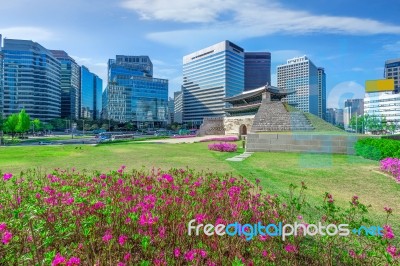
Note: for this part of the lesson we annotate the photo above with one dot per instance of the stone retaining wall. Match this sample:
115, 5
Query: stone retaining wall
212, 126
310, 143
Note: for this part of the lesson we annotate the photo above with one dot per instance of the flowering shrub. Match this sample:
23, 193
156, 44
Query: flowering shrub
225, 139
377, 149
140, 218
223, 147
391, 166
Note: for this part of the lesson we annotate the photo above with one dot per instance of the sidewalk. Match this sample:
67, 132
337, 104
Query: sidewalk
187, 140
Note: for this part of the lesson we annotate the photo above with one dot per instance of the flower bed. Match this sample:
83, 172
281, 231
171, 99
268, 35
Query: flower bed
141, 218
225, 139
391, 166
223, 147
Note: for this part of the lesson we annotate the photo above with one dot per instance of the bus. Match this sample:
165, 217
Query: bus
123, 136
111, 136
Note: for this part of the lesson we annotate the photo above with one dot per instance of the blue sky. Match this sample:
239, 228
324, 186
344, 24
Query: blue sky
349, 38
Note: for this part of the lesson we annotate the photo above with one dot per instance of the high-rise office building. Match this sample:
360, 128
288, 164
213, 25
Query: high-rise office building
210, 75
117, 104
90, 95
321, 92
257, 70
392, 71
330, 115
148, 99
70, 84
381, 100
171, 104
339, 117
1, 82
31, 80
301, 76
98, 91
178, 107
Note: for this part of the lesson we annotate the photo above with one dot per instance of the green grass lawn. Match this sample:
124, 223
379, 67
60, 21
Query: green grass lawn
341, 175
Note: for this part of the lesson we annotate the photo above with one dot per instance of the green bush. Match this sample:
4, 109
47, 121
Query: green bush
377, 149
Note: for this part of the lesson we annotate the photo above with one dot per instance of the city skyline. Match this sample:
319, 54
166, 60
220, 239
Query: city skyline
351, 43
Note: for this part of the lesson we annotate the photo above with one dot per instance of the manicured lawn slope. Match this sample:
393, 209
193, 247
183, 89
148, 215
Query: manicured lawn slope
341, 175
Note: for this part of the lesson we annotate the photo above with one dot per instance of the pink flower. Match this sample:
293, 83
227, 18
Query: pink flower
189, 256
147, 219
98, 205
74, 261
290, 248
161, 231
38, 195
69, 201
387, 232
392, 251
300, 217
7, 176
3, 227
122, 239
177, 252
352, 254
121, 264
200, 217
107, 237
127, 256
7, 236
58, 259
203, 253
264, 253
168, 178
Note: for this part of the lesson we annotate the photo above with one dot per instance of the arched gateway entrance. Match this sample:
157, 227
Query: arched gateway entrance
242, 130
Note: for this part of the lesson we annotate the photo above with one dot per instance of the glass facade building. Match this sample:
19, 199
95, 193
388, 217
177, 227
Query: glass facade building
178, 107
147, 104
90, 95
321, 93
1, 82
301, 76
257, 70
210, 75
392, 71
31, 80
70, 85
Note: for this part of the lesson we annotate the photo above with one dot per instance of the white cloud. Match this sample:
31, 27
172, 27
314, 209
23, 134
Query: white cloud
36, 34
235, 19
343, 91
394, 47
357, 69
179, 10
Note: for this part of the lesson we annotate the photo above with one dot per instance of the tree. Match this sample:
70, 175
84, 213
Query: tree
11, 124
36, 124
392, 127
1, 123
58, 124
24, 122
94, 127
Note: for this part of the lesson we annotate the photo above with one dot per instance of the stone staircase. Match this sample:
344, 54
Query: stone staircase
272, 116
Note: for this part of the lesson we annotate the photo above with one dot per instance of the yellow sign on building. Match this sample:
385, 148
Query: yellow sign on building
379, 85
